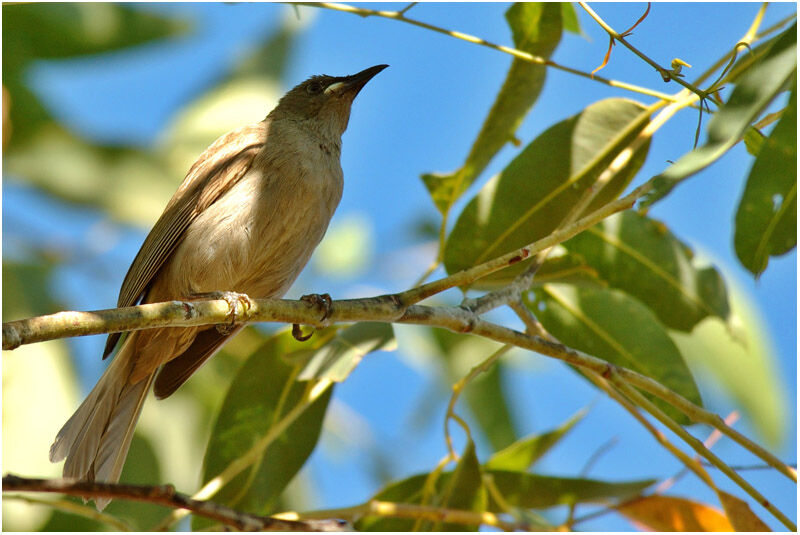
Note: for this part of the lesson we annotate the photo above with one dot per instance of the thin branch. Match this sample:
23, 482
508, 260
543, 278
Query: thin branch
666, 74
167, 496
519, 54
698, 446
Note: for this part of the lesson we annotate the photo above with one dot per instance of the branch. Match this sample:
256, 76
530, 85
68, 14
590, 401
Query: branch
519, 54
167, 496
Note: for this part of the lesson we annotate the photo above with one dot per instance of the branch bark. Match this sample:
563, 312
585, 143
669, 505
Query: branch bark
168, 496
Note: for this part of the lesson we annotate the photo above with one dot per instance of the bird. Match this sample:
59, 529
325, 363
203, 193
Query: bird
244, 222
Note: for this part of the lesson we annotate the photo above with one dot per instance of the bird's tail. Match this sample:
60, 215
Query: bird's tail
95, 440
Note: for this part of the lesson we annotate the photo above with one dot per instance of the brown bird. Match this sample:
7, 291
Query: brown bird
246, 219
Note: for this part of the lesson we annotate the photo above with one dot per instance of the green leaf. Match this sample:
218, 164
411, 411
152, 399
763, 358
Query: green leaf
532, 491
536, 29
753, 140
534, 193
523, 453
739, 359
485, 395
641, 257
570, 19
518, 489
464, 490
337, 358
264, 390
755, 90
766, 220
461, 489
611, 325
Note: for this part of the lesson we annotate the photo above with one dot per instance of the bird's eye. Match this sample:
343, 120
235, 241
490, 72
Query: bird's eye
314, 88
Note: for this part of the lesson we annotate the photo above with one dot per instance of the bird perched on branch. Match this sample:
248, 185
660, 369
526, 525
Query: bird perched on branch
246, 219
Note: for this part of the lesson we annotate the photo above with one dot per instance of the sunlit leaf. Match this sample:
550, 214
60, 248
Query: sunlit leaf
741, 517
766, 220
536, 29
757, 87
264, 391
670, 513
523, 453
534, 193
570, 19
611, 325
641, 257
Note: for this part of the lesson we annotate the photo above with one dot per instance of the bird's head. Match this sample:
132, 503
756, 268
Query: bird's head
324, 100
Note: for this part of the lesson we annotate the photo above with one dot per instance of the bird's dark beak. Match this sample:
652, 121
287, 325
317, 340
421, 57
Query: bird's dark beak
354, 82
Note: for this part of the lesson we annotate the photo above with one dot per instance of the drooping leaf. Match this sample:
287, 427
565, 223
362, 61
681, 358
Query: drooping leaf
766, 220
536, 29
755, 90
485, 395
522, 454
741, 517
264, 391
670, 513
337, 358
611, 325
534, 193
641, 257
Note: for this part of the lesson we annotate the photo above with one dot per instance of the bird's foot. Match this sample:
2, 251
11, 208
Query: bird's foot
238, 305
321, 300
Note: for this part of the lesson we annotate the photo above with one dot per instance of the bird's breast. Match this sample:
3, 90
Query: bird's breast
257, 237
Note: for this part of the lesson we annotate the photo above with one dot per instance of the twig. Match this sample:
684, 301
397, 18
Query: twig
632, 394
167, 496
666, 74
519, 54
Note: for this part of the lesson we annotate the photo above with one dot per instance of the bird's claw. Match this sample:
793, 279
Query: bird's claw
238, 305
323, 300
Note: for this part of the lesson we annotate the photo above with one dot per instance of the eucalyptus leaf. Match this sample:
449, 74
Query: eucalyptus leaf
533, 491
522, 454
535, 192
641, 257
536, 29
611, 325
518, 489
766, 220
460, 489
261, 394
754, 91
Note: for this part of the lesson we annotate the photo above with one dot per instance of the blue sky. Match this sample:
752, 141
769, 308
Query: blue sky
421, 115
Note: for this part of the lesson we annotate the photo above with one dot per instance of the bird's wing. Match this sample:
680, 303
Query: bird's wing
219, 167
